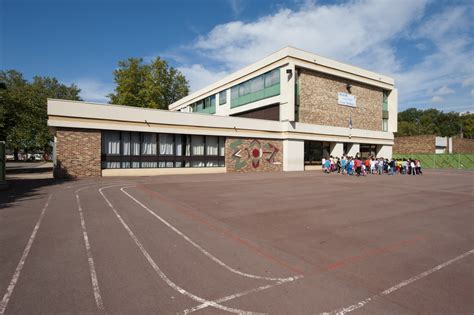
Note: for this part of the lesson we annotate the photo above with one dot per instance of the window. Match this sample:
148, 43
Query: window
272, 78
123, 149
222, 97
384, 124
255, 89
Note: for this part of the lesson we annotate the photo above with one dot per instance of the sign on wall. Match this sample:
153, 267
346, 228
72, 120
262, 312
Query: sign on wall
346, 99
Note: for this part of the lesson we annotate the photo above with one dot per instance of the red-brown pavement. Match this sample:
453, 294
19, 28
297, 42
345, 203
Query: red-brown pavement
279, 243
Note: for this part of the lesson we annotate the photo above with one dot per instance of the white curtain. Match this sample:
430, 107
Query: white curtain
188, 150
166, 148
111, 146
135, 147
125, 148
149, 148
179, 149
212, 144
221, 146
197, 148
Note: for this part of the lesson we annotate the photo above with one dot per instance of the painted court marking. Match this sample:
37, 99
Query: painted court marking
360, 304
161, 273
237, 295
90, 259
202, 250
21, 263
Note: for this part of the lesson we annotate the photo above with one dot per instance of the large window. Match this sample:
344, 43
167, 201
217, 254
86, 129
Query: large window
206, 105
123, 149
223, 97
263, 86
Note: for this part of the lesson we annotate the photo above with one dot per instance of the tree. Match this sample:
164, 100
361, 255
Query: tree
153, 85
434, 122
23, 113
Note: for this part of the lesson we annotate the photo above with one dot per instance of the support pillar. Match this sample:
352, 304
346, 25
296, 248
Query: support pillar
336, 149
293, 155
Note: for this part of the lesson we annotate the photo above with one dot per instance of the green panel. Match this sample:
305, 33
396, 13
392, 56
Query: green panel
458, 161
272, 90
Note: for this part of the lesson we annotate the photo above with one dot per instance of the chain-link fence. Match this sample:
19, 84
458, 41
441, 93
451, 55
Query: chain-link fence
457, 160
2, 161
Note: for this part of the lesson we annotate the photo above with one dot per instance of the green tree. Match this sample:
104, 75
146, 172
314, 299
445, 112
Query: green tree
434, 122
23, 110
153, 85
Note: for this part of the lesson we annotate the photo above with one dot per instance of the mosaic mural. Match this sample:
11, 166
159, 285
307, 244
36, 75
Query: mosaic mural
248, 155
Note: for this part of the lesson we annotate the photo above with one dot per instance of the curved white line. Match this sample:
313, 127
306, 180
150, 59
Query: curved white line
237, 295
205, 252
21, 263
360, 304
90, 259
161, 273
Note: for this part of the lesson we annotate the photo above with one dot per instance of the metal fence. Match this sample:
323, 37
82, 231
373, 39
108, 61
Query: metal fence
457, 160
2, 161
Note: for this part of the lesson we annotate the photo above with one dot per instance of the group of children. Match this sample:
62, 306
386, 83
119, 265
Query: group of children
371, 165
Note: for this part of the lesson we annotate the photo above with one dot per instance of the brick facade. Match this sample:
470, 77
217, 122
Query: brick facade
415, 144
463, 145
318, 102
253, 155
77, 153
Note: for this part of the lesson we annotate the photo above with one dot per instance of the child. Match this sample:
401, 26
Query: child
323, 164
380, 166
362, 170
372, 166
327, 166
343, 165
350, 165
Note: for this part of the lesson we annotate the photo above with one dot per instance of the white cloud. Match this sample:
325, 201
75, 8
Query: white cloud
444, 90
437, 99
93, 90
237, 6
348, 32
468, 81
199, 76
359, 32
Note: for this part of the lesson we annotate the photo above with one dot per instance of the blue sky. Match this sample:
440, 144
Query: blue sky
427, 46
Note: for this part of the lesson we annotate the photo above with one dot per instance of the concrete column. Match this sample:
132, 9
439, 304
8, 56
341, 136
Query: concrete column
384, 151
336, 149
393, 111
293, 155
353, 149
287, 92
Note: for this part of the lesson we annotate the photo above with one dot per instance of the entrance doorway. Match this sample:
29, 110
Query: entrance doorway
314, 151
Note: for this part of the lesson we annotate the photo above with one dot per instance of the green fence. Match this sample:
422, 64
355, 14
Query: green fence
2, 161
458, 161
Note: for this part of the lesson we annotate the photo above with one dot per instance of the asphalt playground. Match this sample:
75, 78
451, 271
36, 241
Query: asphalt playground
276, 243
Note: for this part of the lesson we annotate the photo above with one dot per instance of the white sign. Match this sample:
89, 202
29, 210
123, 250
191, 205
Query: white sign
346, 99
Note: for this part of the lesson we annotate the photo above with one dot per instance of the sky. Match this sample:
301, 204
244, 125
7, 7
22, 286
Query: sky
425, 45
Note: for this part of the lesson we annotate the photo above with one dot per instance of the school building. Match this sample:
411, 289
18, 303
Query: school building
282, 113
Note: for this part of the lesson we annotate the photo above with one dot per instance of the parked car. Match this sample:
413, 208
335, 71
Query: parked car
10, 157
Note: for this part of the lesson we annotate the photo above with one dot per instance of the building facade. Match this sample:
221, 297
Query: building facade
282, 113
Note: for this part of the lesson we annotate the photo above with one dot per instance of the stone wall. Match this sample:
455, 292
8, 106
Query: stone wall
77, 153
415, 144
318, 102
253, 155
463, 145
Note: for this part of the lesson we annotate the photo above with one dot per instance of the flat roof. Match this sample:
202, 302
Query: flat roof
297, 55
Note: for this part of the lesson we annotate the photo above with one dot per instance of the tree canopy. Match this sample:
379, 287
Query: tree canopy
153, 85
431, 121
23, 110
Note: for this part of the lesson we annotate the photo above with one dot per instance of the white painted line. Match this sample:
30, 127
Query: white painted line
90, 259
202, 250
398, 286
237, 295
19, 267
161, 273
